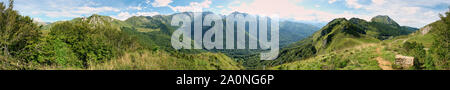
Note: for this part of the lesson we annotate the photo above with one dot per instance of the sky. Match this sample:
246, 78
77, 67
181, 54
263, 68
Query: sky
415, 13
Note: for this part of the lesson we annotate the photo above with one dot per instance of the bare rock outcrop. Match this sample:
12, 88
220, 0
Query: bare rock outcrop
425, 30
404, 61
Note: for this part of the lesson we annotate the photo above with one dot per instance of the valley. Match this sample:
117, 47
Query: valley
100, 42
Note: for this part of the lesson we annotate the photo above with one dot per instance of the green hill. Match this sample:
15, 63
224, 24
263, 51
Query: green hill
151, 29
101, 42
291, 32
338, 34
429, 47
144, 42
342, 34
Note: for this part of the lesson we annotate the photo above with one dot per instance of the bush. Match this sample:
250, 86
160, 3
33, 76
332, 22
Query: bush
416, 50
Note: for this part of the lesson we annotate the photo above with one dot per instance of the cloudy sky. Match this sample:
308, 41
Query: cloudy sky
416, 13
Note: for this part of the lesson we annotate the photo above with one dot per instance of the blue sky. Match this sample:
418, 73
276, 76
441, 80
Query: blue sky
416, 13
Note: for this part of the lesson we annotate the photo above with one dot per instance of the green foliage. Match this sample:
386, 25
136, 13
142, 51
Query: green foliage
384, 20
440, 47
430, 50
382, 27
78, 43
296, 53
101, 42
144, 22
386, 31
291, 32
17, 33
52, 51
416, 50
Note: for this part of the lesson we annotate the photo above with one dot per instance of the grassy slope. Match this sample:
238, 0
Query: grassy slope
347, 51
362, 57
145, 60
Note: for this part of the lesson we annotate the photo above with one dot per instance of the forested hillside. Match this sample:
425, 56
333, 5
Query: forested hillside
96, 42
155, 27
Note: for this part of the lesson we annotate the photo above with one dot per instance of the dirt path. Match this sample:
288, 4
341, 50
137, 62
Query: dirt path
383, 64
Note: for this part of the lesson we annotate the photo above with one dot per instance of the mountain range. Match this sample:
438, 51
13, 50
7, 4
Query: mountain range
144, 43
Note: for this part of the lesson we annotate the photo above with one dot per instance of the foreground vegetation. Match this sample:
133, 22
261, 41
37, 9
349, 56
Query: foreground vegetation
97, 43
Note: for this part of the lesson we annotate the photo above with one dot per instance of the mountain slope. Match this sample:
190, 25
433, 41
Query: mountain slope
341, 34
384, 20
338, 34
429, 47
291, 32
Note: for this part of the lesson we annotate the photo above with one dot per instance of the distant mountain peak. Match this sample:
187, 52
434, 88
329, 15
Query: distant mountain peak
98, 19
342, 25
357, 20
99, 16
384, 19
236, 12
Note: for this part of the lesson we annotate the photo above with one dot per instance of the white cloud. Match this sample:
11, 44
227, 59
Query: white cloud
193, 7
126, 15
146, 13
134, 8
123, 16
160, 3
285, 9
353, 4
378, 2
236, 2
331, 1
414, 13
76, 11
